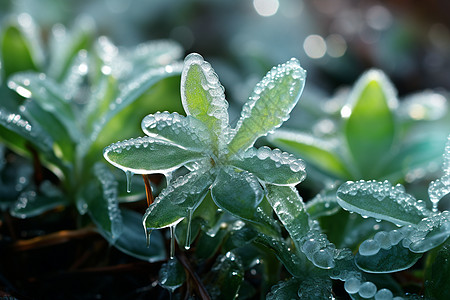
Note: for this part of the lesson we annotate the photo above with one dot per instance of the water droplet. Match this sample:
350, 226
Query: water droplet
352, 285
384, 294
369, 247
367, 290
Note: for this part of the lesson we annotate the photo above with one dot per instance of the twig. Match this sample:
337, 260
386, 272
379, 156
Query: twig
200, 288
148, 189
52, 239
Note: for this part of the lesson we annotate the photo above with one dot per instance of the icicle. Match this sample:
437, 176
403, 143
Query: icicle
147, 235
129, 175
187, 245
172, 242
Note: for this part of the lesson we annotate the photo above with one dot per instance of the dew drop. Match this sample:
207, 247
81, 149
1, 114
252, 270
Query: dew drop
352, 285
384, 294
367, 290
369, 247
323, 259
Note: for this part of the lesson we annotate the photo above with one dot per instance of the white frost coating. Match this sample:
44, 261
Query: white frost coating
276, 155
110, 194
16, 123
290, 68
143, 142
441, 187
177, 128
218, 108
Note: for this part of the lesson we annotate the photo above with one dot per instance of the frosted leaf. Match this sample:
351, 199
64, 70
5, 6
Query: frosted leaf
109, 205
133, 88
269, 105
154, 53
50, 97
323, 204
147, 155
290, 209
284, 290
441, 187
203, 97
381, 200
239, 193
175, 202
271, 166
314, 288
430, 233
22, 127
72, 81
187, 132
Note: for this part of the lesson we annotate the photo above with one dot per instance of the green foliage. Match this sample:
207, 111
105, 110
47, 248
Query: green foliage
244, 229
63, 103
368, 134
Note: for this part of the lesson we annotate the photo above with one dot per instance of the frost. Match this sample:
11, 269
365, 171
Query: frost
441, 187
381, 200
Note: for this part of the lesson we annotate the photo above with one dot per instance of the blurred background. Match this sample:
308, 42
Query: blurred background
335, 40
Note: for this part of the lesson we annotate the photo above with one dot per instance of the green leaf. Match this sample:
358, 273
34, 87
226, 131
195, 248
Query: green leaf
104, 210
369, 124
133, 242
226, 277
178, 200
395, 259
187, 132
381, 200
63, 146
49, 95
323, 204
65, 44
146, 155
269, 105
32, 203
239, 193
318, 152
271, 166
285, 290
19, 50
172, 275
437, 275
290, 209
17, 126
315, 288
203, 97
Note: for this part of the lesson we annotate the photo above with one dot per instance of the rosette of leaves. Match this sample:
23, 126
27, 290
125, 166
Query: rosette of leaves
67, 105
367, 133
220, 159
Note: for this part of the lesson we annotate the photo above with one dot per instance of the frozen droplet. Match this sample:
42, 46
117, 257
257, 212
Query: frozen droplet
129, 175
367, 290
148, 232
369, 247
187, 245
323, 259
384, 294
172, 241
352, 285
383, 240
